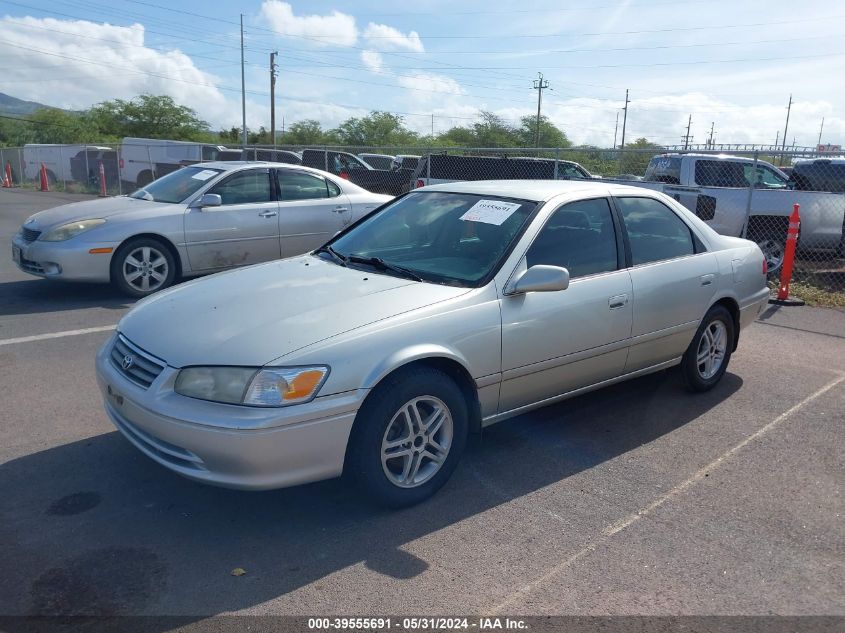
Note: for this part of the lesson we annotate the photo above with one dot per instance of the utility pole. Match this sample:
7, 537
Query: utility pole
243, 86
540, 85
821, 129
615, 129
624, 120
777, 139
687, 137
710, 144
273, 67
785, 128
432, 125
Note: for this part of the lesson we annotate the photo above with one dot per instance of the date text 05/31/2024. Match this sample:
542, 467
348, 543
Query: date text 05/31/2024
416, 624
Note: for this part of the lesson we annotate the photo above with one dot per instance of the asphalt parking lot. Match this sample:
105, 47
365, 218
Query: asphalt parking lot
639, 499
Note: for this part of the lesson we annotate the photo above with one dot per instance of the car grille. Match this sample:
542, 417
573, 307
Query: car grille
29, 235
143, 368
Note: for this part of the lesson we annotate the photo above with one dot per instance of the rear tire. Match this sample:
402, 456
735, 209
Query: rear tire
142, 266
707, 357
408, 437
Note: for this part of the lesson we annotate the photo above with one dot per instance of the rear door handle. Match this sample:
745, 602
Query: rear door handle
706, 280
341, 209
617, 302
268, 214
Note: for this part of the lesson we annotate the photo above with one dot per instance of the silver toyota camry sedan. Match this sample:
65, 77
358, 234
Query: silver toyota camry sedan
448, 309
194, 221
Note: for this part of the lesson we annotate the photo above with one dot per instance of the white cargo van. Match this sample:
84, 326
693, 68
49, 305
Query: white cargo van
56, 159
142, 160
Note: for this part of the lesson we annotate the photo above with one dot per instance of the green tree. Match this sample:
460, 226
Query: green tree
550, 134
376, 129
149, 116
307, 132
635, 157
493, 131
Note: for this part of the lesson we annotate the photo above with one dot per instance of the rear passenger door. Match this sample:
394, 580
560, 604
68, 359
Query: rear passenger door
673, 277
555, 342
311, 210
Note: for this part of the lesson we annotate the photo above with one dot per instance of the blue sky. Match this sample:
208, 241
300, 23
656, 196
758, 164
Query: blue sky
725, 62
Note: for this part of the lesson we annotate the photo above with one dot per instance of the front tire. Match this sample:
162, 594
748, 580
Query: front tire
408, 437
707, 357
142, 266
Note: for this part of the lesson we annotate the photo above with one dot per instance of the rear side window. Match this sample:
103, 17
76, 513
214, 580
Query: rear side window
720, 173
298, 185
579, 237
664, 169
655, 233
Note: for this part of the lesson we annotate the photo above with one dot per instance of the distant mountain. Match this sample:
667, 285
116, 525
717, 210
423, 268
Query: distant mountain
12, 106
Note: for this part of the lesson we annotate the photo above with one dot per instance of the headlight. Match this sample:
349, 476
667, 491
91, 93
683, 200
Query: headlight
67, 231
269, 387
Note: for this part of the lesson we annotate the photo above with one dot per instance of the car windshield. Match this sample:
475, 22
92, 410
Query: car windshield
176, 186
448, 238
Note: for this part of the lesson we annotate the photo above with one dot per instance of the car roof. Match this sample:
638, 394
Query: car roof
535, 190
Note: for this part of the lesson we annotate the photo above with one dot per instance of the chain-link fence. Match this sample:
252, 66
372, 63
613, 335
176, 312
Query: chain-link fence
746, 191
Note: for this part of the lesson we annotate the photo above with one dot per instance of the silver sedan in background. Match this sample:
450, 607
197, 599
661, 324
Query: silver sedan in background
197, 220
449, 309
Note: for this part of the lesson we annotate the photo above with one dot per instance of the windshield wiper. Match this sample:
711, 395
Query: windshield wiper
378, 262
340, 259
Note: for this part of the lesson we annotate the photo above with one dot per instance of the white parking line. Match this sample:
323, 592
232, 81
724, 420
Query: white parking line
632, 518
42, 337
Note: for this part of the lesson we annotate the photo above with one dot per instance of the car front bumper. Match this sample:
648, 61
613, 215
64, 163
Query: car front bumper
231, 446
69, 260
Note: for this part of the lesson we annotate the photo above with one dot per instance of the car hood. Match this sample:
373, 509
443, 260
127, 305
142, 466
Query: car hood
254, 315
88, 209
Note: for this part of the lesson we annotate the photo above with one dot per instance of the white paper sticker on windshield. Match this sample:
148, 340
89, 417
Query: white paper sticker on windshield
490, 212
205, 174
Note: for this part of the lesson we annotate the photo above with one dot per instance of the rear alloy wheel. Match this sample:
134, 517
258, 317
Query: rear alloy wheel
142, 267
707, 357
408, 437
773, 251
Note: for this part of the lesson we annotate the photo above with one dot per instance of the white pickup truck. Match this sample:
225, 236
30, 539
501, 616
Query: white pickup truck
740, 196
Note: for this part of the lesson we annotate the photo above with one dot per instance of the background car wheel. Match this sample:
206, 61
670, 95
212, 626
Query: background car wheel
707, 357
142, 266
408, 437
774, 251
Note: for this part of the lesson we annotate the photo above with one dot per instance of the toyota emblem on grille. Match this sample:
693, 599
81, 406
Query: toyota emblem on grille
128, 361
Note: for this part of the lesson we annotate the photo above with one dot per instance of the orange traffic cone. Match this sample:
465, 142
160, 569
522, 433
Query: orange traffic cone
45, 186
103, 193
7, 177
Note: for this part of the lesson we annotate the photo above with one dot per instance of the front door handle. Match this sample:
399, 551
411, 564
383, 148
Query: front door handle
268, 214
341, 209
619, 301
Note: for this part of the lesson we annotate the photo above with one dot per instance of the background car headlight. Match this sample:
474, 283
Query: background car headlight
69, 230
271, 387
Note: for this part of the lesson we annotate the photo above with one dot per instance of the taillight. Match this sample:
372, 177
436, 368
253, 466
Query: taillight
120, 163
419, 184
344, 174
765, 267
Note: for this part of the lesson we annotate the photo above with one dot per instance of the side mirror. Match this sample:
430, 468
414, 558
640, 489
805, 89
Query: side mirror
541, 278
210, 200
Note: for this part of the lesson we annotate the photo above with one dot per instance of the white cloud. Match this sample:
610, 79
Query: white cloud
388, 38
431, 86
332, 29
373, 61
75, 63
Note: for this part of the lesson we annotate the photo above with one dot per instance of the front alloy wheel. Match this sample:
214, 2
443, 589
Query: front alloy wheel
408, 436
417, 441
143, 266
